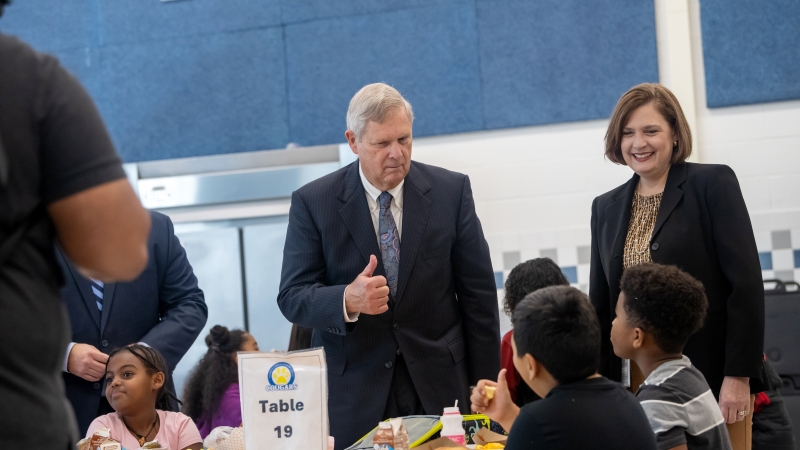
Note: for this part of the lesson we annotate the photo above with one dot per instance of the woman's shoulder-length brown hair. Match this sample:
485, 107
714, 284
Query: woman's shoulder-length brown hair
666, 103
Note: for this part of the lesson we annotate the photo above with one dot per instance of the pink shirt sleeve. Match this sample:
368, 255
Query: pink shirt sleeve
187, 431
100, 422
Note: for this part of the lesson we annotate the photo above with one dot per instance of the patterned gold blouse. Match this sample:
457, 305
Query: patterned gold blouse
640, 229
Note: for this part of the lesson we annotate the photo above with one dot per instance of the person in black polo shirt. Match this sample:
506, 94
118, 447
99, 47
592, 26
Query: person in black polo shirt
557, 351
59, 177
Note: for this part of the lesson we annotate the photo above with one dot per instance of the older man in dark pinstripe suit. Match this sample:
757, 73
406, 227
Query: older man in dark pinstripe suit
386, 260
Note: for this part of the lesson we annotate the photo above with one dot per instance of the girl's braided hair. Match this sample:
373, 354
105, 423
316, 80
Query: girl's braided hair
153, 362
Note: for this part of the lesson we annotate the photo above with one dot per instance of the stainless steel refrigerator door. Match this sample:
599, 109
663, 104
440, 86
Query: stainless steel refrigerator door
216, 259
263, 256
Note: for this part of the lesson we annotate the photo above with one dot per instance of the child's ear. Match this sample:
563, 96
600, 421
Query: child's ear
158, 380
638, 337
532, 365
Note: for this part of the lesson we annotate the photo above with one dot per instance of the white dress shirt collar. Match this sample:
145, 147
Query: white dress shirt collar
373, 192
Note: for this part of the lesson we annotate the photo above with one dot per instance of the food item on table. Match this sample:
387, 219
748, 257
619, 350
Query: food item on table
110, 444
449, 448
490, 446
83, 444
400, 434
452, 425
152, 444
490, 391
384, 438
98, 437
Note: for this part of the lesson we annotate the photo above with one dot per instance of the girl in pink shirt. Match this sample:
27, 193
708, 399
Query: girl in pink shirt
136, 389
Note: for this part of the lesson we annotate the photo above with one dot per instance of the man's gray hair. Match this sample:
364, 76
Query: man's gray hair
373, 103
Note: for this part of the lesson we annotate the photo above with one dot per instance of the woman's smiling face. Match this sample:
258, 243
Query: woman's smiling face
129, 387
647, 142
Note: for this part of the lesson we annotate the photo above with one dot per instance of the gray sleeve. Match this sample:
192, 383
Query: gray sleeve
671, 438
666, 415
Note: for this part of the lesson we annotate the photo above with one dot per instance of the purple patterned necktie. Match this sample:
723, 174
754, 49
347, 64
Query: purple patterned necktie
390, 242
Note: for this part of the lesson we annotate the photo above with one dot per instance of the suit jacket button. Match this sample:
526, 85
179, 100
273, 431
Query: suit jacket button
654, 246
104, 343
96, 385
388, 365
396, 326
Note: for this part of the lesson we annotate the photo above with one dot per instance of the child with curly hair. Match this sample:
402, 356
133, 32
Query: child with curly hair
211, 395
658, 309
523, 279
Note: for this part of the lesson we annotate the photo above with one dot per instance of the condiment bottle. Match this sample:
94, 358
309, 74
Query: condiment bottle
452, 425
384, 438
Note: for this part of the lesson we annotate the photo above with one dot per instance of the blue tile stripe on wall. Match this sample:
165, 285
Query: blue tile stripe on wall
782, 261
571, 273
766, 260
498, 280
177, 79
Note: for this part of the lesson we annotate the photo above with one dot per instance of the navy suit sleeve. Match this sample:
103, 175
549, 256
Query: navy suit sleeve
182, 306
476, 291
599, 295
304, 297
738, 255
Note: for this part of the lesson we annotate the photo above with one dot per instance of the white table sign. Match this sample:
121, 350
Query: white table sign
284, 399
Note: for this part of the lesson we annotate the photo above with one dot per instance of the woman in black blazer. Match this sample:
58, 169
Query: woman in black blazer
689, 215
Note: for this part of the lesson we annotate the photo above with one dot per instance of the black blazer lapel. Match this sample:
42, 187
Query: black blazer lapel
108, 298
83, 287
355, 215
416, 210
672, 195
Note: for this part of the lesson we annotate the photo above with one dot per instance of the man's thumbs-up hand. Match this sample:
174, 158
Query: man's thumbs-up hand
367, 294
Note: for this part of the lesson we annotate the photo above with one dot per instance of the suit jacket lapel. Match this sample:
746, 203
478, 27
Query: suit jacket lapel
355, 215
621, 210
84, 288
108, 298
416, 208
672, 195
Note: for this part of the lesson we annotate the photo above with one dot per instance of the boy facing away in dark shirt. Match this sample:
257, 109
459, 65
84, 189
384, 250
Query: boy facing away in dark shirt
556, 343
658, 309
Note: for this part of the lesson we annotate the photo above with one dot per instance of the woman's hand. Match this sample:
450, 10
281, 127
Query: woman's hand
501, 408
734, 397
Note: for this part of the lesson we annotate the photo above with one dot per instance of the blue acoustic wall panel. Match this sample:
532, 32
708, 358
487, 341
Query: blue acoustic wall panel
427, 53
51, 25
83, 63
567, 60
195, 96
145, 20
751, 51
199, 77
304, 10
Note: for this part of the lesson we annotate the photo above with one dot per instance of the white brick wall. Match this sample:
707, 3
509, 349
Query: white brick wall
529, 181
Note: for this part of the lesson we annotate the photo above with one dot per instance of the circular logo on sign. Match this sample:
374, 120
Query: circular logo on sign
281, 374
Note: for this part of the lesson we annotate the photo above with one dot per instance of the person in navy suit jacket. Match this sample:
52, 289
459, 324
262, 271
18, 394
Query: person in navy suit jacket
386, 260
163, 308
